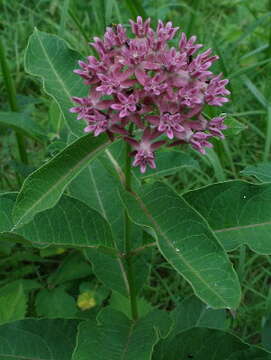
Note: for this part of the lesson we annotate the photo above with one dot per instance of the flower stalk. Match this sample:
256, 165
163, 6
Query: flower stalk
128, 243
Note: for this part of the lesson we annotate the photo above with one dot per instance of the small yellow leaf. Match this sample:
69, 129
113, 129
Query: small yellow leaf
86, 300
60, 251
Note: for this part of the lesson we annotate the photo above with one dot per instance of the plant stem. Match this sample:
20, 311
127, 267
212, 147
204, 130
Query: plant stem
128, 228
12, 99
268, 50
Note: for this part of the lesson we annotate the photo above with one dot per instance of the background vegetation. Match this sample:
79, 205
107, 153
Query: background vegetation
239, 32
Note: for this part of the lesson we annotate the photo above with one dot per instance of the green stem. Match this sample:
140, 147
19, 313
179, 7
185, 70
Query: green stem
268, 50
12, 99
128, 245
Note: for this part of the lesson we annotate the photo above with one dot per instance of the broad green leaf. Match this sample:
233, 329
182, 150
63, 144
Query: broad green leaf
43, 188
197, 343
34, 339
48, 57
186, 241
121, 303
167, 163
252, 353
55, 303
97, 186
111, 269
238, 212
30, 284
162, 322
73, 267
191, 312
261, 171
56, 120
22, 123
116, 337
12, 302
70, 223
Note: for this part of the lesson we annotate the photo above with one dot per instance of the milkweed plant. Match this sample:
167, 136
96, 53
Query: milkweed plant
145, 100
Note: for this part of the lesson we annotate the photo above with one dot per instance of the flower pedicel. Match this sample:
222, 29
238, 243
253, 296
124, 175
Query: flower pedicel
159, 89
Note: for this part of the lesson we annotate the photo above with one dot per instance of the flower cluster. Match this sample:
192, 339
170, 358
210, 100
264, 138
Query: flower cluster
159, 89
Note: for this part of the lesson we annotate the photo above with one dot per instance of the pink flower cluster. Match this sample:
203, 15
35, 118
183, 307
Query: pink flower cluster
159, 89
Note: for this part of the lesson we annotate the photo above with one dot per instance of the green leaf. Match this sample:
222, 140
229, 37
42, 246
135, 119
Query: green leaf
111, 269
55, 303
196, 343
167, 163
238, 212
70, 223
252, 353
266, 333
97, 186
34, 339
48, 57
121, 303
215, 162
56, 120
261, 171
43, 188
29, 285
22, 123
73, 267
12, 302
234, 126
186, 241
6, 206
191, 312
255, 91
117, 337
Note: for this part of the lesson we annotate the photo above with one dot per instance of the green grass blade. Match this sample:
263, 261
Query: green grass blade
136, 9
268, 136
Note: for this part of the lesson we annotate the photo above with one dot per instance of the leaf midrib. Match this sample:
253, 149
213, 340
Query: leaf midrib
236, 228
128, 340
159, 230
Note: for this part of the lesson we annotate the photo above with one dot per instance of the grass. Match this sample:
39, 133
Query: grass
239, 31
